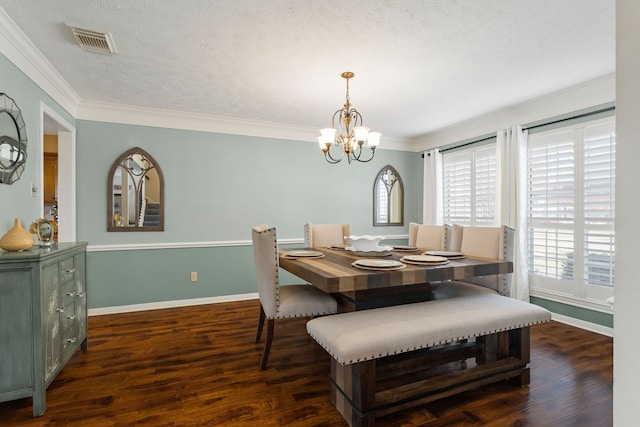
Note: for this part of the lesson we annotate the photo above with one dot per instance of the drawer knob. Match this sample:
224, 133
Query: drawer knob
74, 339
71, 317
71, 270
70, 294
60, 310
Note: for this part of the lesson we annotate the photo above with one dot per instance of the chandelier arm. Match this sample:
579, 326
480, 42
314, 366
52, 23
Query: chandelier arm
342, 127
329, 158
340, 114
373, 153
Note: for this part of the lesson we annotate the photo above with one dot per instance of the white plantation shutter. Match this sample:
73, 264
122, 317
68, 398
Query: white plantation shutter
599, 206
571, 201
485, 185
457, 188
469, 186
551, 202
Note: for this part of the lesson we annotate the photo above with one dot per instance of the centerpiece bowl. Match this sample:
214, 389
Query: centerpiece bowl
364, 243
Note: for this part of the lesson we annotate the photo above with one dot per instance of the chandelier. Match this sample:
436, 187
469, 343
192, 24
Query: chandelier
347, 132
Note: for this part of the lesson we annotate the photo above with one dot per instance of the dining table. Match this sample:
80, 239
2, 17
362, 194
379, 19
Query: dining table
332, 270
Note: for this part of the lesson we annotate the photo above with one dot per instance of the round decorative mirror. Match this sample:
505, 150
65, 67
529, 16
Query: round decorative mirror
135, 190
13, 141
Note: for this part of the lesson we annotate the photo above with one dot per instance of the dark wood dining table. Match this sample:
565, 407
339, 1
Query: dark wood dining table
358, 289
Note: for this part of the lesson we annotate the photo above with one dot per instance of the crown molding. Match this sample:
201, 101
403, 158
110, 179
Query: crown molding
171, 119
593, 92
18, 49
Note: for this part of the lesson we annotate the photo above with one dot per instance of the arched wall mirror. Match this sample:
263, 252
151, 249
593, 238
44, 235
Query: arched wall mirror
388, 198
135, 193
13, 141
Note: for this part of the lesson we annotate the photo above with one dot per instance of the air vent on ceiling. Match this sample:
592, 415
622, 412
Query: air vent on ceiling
94, 41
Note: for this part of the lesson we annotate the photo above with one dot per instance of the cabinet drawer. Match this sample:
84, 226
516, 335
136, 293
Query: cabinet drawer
67, 268
67, 293
69, 343
68, 316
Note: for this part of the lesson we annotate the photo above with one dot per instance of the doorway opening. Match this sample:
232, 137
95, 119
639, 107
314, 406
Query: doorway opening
57, 172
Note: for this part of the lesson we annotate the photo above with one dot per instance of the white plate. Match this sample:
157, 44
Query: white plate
376, 249
427, 259
447, 254
362, 267
378, 263
302, 253
404, 248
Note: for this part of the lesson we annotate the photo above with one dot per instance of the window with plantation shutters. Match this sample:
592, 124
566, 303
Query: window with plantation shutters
469, 186
571, 210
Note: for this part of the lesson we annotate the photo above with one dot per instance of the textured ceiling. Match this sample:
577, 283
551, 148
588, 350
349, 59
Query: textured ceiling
420, 65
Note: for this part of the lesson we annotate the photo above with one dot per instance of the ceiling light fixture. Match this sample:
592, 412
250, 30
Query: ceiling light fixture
347, 131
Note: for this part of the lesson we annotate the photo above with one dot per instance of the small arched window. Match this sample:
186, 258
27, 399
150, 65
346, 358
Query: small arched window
388, 198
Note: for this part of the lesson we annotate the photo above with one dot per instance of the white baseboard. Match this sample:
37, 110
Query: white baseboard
169, 304
593, 327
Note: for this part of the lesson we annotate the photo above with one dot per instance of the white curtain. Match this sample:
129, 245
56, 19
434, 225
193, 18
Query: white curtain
432, 191
512, 185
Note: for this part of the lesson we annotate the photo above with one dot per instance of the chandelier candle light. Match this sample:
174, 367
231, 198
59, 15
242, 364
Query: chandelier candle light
347, 131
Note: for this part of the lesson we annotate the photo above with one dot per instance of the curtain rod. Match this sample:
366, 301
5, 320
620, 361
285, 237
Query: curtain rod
577, 116
469, 143
475, 141
553, 122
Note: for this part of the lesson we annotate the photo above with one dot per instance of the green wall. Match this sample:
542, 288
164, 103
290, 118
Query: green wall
217, 186
15, 199
584, 314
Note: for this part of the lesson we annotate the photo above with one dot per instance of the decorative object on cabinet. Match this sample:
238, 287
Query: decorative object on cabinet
44, 301
388, 198
13, 141
347, 132
17, 239
135, 193
45, 229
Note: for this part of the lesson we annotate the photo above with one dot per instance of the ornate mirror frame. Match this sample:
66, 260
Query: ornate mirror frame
131, 174
13, 141
388, 198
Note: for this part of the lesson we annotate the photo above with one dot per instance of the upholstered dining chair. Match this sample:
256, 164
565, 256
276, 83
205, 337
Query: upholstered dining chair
429, 237
481, 242
279, 302
325, 235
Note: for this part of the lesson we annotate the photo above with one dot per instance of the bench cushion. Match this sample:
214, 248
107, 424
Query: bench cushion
371, 334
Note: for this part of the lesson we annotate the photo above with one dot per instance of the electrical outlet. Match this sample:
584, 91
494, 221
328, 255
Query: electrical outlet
194, 276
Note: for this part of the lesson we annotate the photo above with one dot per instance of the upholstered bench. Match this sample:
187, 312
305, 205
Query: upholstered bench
387, 359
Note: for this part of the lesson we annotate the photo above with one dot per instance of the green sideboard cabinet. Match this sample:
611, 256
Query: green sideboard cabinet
43, 318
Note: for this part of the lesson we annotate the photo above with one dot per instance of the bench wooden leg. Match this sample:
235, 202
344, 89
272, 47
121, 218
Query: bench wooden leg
353, 392
520, 347
513, 343
499, 356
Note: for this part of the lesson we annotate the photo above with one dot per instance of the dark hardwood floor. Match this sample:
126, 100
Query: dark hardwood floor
199, 366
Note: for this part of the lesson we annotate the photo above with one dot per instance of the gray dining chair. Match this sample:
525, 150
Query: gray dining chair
481, 242
325, 235
279, 302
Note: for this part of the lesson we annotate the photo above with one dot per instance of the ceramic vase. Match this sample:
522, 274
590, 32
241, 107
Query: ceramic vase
17, 239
